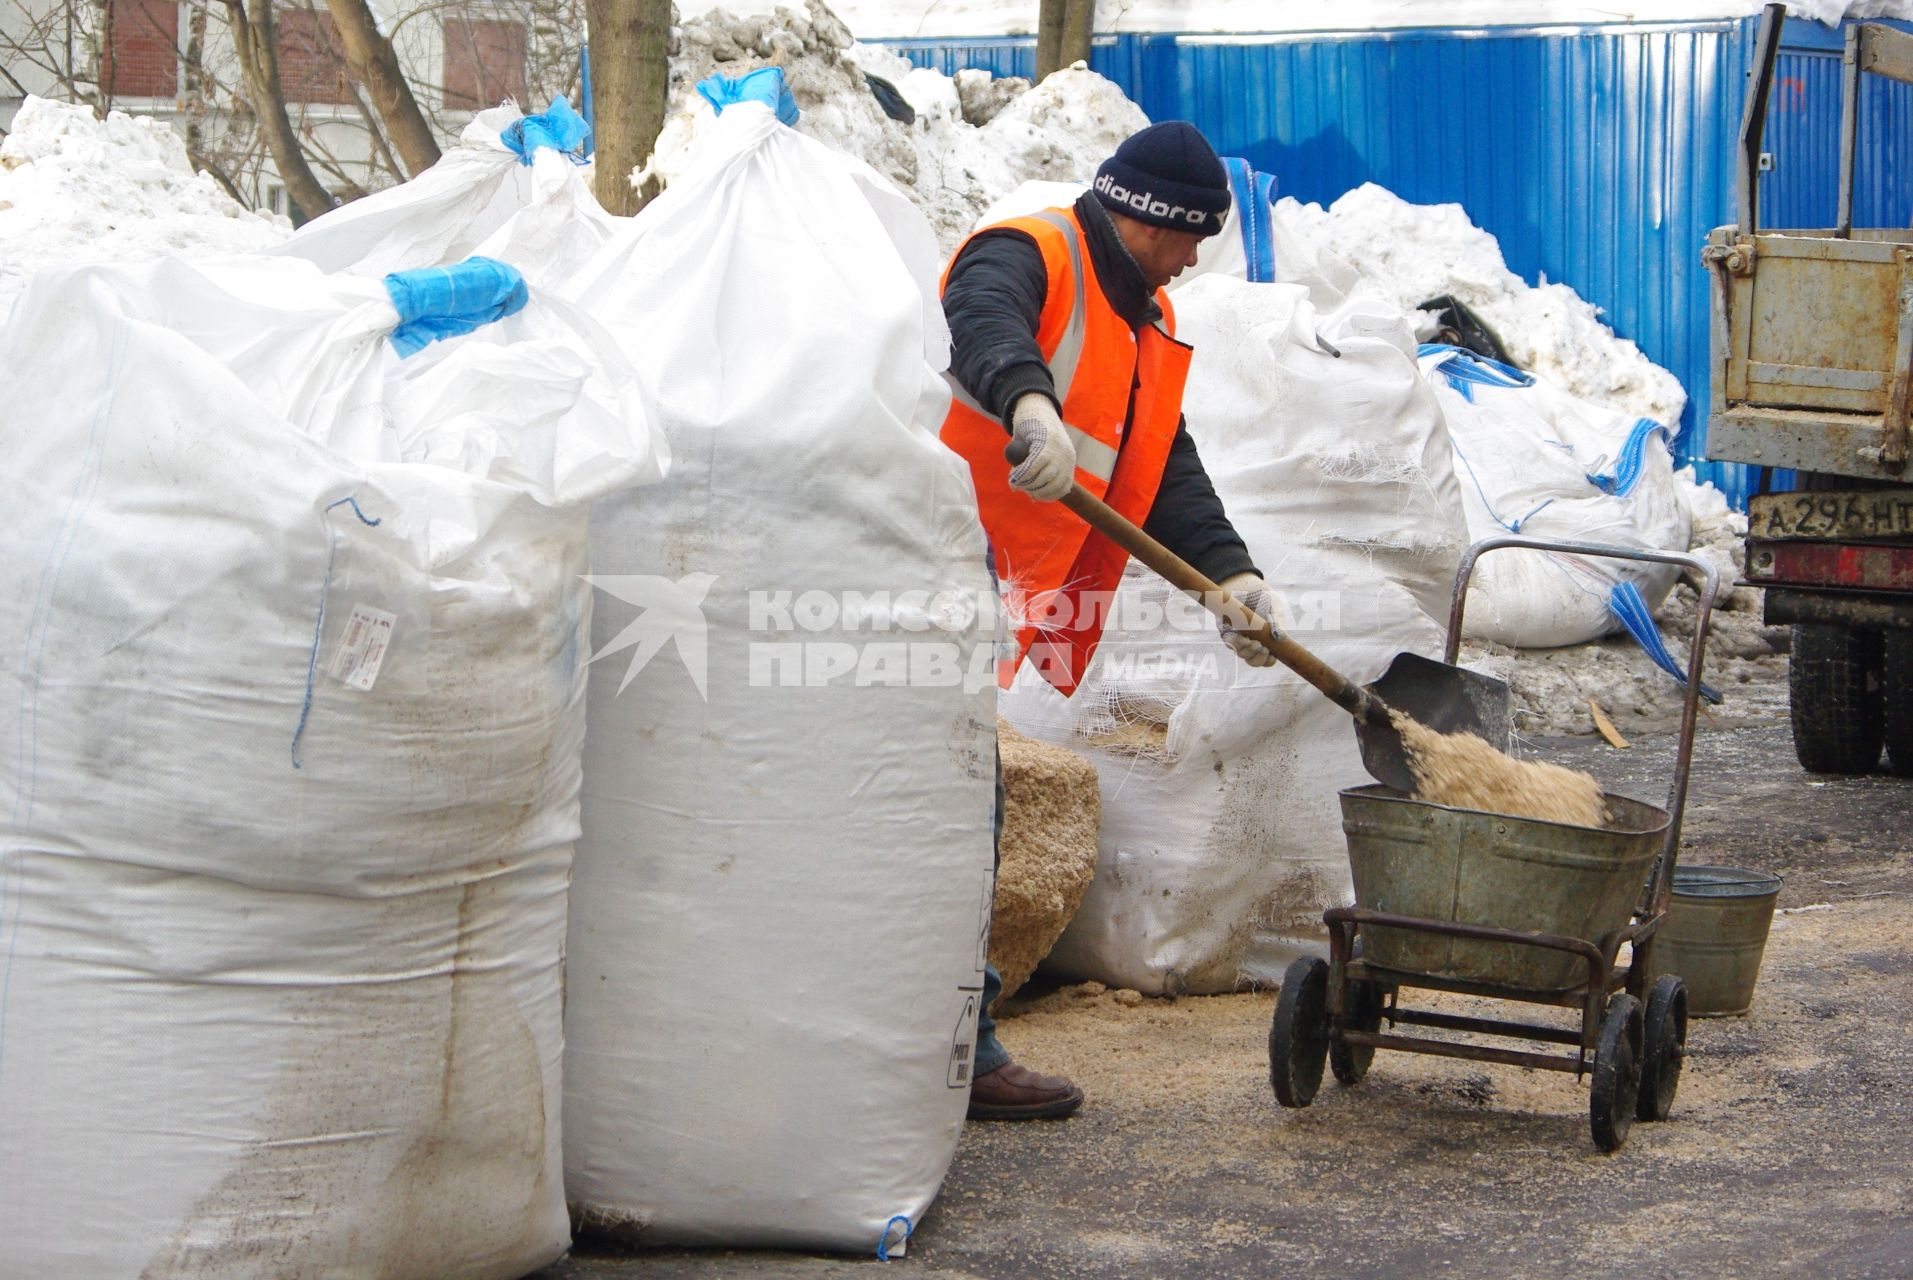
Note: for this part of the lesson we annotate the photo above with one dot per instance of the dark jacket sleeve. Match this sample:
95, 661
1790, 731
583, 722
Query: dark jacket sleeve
1188, 518
994, 302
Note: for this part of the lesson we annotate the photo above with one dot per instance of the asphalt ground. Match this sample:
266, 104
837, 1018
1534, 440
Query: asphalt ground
1789, 1151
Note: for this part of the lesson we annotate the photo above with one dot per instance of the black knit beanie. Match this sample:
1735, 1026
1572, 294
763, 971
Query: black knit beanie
1168, 176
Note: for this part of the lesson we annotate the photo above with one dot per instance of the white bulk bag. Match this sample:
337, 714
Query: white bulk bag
511, 190
783, 887
289, 746
1221, 839
1536, 461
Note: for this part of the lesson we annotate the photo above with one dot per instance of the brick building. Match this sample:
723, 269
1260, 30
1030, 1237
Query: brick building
133, 55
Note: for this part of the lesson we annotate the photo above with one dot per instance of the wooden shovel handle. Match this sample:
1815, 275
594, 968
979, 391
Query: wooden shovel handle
1184, 576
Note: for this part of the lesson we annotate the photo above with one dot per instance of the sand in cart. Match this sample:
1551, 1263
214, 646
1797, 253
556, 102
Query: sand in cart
1463, 771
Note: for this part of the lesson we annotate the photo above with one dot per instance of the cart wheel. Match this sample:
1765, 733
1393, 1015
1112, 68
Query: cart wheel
1617, 1073
1663, 1047
1298, 1038
1365, 1003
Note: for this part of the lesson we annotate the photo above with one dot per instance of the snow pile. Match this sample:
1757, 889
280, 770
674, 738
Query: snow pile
974, 140
1409, 253
77, 189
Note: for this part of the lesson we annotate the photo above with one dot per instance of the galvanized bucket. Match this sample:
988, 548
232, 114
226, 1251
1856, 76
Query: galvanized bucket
1414, 858
1715, 935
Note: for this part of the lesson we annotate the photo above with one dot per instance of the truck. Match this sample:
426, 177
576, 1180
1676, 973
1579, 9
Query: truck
1812, 371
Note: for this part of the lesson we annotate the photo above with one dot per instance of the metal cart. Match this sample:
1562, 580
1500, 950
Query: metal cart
1514, 909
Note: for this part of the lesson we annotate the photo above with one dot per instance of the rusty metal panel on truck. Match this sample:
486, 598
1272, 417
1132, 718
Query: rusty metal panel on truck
1812, 333
1813, 349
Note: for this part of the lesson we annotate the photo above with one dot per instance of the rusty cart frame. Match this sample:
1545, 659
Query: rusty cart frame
1633, 1039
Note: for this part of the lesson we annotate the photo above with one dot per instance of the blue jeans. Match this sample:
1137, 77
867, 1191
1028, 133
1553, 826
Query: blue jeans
990, 1053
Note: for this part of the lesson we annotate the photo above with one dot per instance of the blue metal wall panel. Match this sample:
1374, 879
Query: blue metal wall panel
1803, 136
1598, 157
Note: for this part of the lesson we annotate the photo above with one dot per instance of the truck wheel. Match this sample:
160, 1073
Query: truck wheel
1834, 694
1898, 680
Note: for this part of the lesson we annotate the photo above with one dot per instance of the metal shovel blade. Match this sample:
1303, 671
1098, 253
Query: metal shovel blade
1445, 698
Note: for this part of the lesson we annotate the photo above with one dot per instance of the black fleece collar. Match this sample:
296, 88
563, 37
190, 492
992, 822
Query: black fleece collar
1128, 293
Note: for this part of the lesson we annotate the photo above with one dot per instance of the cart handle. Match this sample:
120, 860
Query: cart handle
1660, 887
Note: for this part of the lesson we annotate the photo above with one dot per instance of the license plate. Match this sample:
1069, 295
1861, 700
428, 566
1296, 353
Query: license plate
1862, 515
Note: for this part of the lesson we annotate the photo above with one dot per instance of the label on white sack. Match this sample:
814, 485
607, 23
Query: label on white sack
368, 634
963, 1046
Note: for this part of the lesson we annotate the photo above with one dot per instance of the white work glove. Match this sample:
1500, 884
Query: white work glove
1252, 593
1050, 468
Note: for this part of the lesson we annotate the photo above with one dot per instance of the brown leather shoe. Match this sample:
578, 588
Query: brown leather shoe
1013, 1092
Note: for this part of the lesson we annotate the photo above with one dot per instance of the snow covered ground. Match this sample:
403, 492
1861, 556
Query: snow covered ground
77, 189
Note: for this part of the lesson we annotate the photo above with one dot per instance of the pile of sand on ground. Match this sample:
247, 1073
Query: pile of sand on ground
1463, 771
1051, 821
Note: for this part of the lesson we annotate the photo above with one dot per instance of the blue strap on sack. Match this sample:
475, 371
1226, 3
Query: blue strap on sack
1512, 526
560, 128
884, 1245
1466, 370
1633, 457
443, 302
765, 85
1626, 603
1254, 193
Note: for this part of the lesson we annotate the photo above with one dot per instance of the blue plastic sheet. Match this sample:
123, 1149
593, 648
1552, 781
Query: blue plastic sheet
443, 302
560, 128
765, 85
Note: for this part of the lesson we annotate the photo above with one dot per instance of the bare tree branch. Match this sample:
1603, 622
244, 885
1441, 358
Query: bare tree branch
375, 64
253, 32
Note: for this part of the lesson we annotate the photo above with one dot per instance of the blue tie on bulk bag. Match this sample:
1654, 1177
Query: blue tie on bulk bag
560, 128
764, 85
443, 302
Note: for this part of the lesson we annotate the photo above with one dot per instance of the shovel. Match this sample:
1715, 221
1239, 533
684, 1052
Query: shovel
1445, 698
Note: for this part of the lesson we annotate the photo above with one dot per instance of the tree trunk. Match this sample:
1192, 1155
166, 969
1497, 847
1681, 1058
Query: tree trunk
630, 81
1049, 37
255, 43
1079, 24
374, 64
193, 84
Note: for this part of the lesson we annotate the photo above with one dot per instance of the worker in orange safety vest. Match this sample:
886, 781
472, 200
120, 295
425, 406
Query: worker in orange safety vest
1063, 338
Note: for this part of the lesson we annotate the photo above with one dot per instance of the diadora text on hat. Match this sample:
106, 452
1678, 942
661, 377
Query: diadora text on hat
1168, 176
1143, 204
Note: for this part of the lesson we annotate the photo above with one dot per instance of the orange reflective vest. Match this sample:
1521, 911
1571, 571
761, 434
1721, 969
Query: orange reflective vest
1059, 579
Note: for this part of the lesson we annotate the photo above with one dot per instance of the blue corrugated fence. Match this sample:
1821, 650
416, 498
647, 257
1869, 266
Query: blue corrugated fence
1598, 157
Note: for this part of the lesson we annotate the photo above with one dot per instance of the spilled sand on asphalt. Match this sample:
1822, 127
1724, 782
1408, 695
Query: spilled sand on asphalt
1192, 1073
